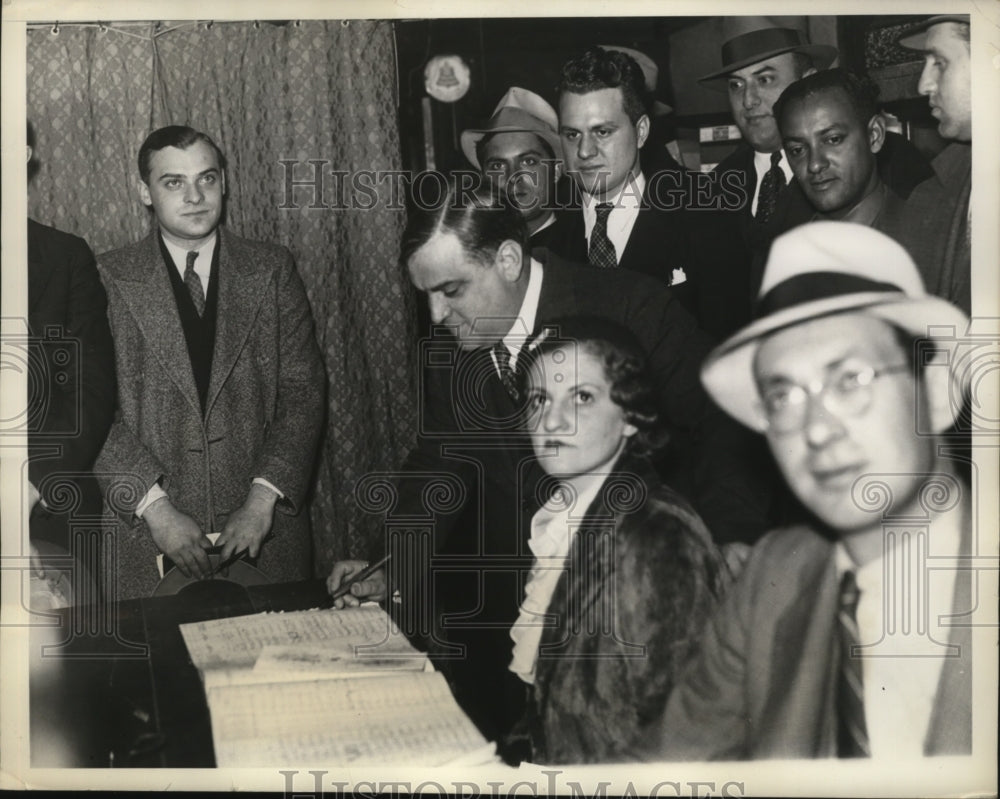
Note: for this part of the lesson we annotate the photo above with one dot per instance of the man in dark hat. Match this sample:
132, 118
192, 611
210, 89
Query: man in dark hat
519, 148
946, 82
761, 56
836, 640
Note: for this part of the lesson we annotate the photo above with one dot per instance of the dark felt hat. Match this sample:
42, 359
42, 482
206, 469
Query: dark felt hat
747, 40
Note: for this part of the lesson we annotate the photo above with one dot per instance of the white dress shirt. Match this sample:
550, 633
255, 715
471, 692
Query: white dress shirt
202, 264
525, 321
902, 620
626, 204
761, 165
552, 529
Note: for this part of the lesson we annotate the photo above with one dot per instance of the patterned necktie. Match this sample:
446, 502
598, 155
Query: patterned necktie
193, 283
507, 374
602, 251
770, 188
852, 731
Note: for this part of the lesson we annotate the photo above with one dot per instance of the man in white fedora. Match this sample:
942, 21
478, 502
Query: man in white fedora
518, 148
946, 81
807, 656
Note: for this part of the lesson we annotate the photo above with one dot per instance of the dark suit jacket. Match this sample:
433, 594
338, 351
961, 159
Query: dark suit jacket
657, 244
72, 402
642, 558
473, 447
262, 416
763, 684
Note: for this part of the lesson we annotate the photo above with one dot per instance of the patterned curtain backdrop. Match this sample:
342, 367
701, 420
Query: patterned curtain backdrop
306, 91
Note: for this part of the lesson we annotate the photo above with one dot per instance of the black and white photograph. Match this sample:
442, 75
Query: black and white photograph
509, 400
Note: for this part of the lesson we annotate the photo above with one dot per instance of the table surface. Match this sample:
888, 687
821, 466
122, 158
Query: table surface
118, 688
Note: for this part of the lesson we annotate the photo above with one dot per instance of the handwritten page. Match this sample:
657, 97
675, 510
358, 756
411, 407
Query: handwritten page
237, 642
405, 719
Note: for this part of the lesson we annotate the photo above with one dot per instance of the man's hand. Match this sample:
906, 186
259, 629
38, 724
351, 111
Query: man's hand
369, 590
179, 538
249, 524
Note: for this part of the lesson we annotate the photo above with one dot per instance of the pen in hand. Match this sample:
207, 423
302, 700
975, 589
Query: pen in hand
364, 574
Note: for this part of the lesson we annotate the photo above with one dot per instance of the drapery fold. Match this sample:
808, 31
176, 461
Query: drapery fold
320, 91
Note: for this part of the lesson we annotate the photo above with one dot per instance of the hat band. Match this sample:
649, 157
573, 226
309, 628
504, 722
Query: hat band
813, 286
510, 118
759, 42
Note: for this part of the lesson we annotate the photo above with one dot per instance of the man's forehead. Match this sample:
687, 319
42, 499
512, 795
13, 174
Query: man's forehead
832, 102
608, 101
514, 142
819, 343
196, 157
779, 63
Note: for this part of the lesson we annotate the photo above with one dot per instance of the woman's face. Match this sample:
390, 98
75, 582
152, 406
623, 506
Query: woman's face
575, 426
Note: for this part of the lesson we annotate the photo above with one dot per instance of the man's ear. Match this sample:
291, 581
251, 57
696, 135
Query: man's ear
144, 192
938, 387
223, 173
508, 260
876, 133
641, 130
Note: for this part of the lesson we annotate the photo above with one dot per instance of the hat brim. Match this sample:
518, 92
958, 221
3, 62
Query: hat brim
470, 138
915, 37
822, 55
727, 373
661, 109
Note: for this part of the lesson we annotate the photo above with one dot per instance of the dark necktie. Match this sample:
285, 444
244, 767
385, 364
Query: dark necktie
602, 251
507, 375
193, 283
852, 731
770, 188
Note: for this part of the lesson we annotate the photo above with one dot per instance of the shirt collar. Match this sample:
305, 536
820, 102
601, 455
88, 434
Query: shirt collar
762, 163
525, 321
629, 196
179, 254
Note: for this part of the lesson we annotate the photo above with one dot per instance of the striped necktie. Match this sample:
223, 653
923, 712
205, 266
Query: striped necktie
770, 188
601, 251
193, 283
507, 375
852, 731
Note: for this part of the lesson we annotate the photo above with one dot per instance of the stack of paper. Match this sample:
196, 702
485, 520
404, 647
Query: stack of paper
326, 687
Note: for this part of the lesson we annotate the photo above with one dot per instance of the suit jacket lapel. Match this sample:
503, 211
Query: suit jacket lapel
147, 291
801, 681
243, 281
950, 728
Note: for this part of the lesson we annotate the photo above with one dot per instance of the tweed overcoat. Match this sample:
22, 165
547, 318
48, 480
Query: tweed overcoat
263, 411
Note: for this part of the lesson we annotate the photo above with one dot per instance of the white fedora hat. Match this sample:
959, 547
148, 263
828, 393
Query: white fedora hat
820, 269
518, 111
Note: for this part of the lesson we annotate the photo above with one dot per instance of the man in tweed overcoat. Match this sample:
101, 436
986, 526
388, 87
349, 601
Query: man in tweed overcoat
221, 385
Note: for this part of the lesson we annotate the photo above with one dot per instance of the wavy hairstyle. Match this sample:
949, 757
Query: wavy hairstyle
624, 361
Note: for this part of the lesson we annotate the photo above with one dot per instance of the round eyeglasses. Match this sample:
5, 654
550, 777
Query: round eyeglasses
846, 392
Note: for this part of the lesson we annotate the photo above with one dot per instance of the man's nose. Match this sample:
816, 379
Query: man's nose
926, 83
438, 307
587, 148
817, 160
193, 193
751, 97
821, 426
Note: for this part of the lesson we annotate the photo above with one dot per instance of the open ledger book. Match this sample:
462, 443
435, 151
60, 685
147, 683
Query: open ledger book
327, 687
